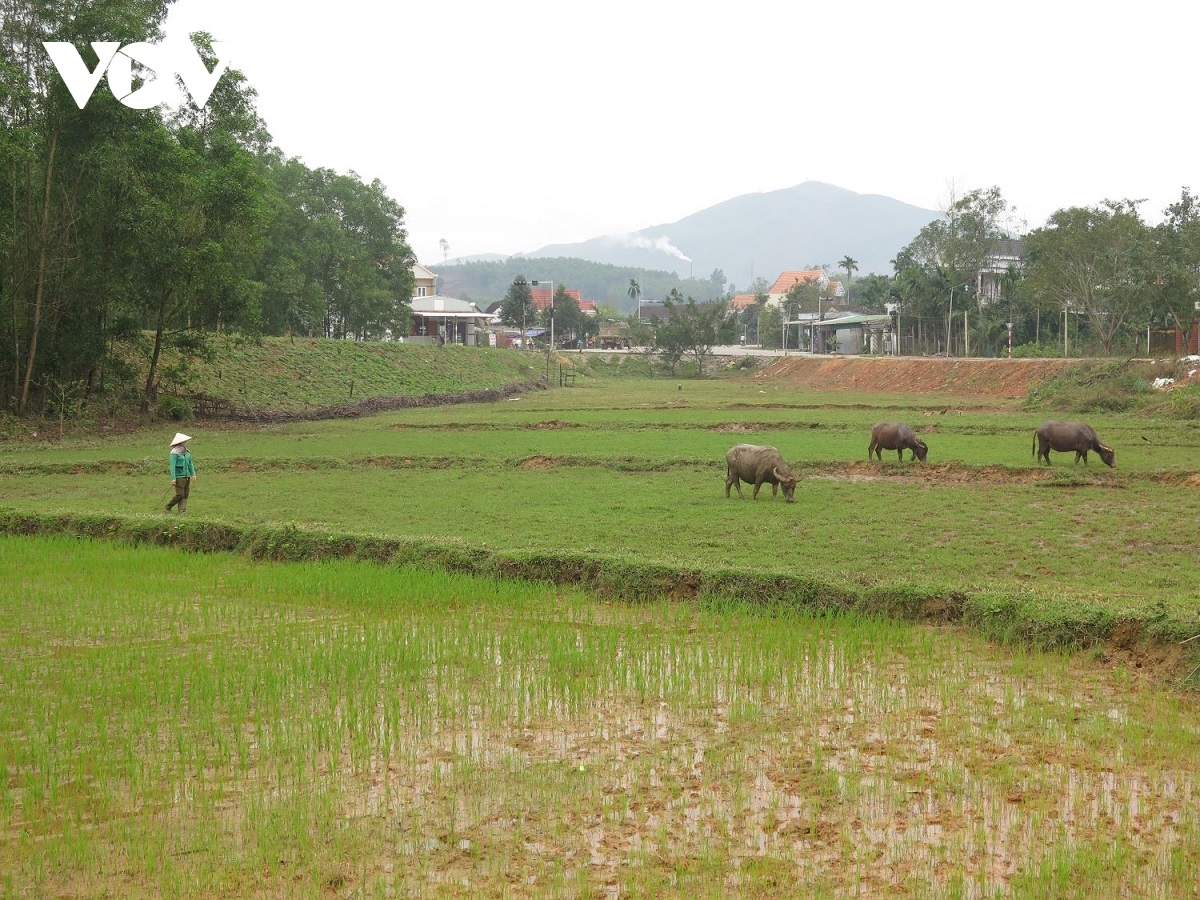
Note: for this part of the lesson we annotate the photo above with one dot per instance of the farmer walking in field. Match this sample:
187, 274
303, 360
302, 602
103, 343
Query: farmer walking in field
182, 471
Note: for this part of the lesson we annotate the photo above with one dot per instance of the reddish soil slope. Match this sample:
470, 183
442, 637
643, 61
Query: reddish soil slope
909, 375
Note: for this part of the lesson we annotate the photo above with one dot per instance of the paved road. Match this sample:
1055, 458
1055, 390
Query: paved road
725, 350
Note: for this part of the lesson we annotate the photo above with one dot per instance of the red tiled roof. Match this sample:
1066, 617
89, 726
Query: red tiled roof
741, 301
542, 296
787, 280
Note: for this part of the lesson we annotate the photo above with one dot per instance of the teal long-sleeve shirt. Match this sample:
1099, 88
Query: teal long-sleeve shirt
181, 465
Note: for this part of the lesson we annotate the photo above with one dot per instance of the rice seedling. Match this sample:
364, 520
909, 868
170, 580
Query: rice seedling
175, 723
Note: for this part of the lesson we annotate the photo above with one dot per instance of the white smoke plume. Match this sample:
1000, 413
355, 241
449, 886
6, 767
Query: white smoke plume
661, 244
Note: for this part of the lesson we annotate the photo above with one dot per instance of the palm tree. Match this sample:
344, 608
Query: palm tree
850, 264
635, 294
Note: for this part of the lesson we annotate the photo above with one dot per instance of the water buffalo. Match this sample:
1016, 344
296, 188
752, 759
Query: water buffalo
1064, 437
758, 465
895, 436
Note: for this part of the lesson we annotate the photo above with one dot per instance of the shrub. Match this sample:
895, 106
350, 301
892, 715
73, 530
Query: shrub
1100, 387
173, 408
1184, 403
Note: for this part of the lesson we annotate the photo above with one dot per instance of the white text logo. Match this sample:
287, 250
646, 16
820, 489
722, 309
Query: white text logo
181, 59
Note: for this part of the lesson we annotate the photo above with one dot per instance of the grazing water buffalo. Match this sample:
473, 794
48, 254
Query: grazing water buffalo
895, 436
758, 466
1064, 437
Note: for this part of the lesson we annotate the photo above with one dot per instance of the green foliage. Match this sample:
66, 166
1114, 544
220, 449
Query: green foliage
691, 330
335, 262
1095, 387
1096, 261
1037, 351
1184, 403
123, 222
770, 327
517, 309
171, 408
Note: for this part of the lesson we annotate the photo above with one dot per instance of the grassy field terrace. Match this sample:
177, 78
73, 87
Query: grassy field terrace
528, 647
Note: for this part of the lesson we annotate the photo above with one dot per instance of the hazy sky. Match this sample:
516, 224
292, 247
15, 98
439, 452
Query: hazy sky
502, 127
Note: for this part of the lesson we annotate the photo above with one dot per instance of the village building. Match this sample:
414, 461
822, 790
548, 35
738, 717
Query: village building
444, 320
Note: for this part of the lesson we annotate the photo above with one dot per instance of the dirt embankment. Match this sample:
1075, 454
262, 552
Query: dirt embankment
1005, 378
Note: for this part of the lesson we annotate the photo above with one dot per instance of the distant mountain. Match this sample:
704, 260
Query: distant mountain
761, 235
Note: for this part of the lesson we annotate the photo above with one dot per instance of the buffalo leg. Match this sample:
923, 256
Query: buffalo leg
734, 481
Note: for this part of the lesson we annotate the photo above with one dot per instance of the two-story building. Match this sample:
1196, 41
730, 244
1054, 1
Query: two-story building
443, 320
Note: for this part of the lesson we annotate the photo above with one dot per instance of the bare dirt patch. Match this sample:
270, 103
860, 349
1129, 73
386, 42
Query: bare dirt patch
998, 378
740, 427
955, 473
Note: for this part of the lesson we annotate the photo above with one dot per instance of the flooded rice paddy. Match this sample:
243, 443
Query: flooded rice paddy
205, 726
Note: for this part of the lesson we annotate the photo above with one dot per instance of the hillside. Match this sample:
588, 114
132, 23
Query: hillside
487, 282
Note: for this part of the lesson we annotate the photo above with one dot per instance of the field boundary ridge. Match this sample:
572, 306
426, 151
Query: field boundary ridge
1156, 643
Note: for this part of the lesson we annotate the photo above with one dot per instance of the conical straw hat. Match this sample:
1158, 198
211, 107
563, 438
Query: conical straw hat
179, 438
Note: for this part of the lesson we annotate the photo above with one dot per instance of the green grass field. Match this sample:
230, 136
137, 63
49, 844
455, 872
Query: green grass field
529, 648
631, 472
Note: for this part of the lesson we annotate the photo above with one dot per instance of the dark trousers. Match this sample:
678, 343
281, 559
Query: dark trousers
182, 486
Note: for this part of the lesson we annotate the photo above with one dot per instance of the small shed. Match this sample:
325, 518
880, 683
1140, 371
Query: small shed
853, 333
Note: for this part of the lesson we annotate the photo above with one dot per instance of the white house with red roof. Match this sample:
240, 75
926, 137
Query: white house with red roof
834, 290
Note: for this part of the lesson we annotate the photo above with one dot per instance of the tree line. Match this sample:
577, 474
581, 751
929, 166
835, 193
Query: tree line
125, 233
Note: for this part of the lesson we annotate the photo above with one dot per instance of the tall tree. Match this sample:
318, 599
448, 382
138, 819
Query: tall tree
692, 330
1177, 261
517, 309
950, 252
770, 327
50, 155
568, 319
151, 228
1094, 261
752, 314
718, 280
874, 292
